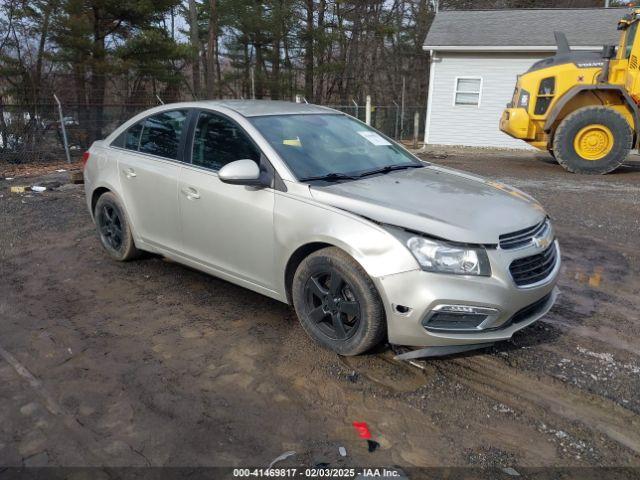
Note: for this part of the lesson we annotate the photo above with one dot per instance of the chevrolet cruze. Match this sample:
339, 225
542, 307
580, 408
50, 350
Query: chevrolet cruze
311, 207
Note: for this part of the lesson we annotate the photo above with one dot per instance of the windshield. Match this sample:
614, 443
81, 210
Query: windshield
332, 145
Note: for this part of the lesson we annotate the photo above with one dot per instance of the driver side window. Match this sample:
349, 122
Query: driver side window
218, 141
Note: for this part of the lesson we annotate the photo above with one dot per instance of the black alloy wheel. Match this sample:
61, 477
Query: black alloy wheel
110, 226
337, 303
332, 305
113, 229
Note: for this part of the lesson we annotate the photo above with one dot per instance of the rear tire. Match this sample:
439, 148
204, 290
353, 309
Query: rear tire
337, 303
592, 140
113, 229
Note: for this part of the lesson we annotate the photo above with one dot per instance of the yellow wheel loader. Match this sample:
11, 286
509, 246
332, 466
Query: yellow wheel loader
581, 106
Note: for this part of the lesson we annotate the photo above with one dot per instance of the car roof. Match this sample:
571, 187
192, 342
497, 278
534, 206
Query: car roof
255, 108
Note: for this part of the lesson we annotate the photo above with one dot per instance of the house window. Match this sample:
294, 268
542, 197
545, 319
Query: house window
468, 91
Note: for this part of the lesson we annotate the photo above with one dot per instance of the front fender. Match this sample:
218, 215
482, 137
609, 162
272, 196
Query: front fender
301, 221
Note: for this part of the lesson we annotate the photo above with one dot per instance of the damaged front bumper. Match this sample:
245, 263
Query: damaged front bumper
488, 309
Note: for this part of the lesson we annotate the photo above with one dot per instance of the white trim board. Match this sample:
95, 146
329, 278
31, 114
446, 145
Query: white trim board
502, 48
427, 122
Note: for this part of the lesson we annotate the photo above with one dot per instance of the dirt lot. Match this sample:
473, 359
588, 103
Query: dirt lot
151, 363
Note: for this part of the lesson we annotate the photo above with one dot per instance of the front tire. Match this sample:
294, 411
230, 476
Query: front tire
113, 229
592, 140
337, 303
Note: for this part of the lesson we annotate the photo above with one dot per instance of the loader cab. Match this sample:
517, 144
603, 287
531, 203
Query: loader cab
628, 56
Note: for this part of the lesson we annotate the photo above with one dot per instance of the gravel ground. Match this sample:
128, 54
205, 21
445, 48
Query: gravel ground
151, 363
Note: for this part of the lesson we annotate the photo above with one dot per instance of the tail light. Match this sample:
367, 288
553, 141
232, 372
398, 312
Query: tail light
85, 158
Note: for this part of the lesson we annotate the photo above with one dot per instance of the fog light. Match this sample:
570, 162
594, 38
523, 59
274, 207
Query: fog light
458, 318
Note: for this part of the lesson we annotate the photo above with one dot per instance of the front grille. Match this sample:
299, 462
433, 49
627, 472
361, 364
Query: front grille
522, 238
533, 269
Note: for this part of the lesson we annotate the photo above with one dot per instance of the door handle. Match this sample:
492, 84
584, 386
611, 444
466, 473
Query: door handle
129, 173
191, 193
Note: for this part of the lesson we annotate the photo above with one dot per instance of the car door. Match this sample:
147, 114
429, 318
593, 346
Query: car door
226, 227
148, 167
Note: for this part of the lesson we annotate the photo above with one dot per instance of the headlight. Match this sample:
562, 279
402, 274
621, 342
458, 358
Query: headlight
523, 100
441, 257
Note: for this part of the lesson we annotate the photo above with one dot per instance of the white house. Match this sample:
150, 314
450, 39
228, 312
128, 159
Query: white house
477, 54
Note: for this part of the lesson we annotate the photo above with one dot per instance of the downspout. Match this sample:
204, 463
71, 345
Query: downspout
427, 122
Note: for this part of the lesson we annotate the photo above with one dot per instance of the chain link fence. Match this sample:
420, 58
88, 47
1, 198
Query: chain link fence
394, 121
30, 134
35, 133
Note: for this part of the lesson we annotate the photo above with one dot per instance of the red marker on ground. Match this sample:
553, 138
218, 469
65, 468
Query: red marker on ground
363, 430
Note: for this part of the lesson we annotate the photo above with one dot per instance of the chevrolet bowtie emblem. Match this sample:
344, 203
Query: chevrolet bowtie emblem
541, 242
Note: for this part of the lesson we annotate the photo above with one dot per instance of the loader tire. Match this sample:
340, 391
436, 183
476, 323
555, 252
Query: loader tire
592, 141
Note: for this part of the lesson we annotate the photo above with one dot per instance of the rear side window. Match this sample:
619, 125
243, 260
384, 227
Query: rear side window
161, 133
130, 138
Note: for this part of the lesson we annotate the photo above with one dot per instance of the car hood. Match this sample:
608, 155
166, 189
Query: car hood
437, 201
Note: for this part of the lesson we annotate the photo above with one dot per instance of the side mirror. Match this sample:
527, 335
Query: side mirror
242, 172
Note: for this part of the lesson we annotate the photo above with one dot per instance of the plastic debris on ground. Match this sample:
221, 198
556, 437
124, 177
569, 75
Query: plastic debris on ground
363, 430
342, 451
282, 457
511, 471
372, 445
353, 376
76, 177
67, 186
38, 188
19, 189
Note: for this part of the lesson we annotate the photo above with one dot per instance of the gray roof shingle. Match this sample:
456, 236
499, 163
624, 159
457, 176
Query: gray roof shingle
523, 27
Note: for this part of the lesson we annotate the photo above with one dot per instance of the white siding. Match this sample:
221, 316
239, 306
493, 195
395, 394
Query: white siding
471, 125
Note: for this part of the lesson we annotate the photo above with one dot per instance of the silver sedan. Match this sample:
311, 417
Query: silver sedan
311, 207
